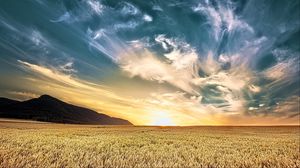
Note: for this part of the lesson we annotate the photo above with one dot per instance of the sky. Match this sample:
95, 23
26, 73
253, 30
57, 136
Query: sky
157, 62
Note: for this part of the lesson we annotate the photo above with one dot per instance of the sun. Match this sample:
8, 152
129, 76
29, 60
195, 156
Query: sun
162, 119
163, 122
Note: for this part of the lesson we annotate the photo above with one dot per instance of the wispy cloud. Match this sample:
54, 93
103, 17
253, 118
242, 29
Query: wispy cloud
221, 15
60, 77
216, 71
68, 67
222, 90
96, 6
23, 95
138, 110
129, 9
178, 70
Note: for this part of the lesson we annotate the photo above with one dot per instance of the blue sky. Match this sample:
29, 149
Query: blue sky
157, 62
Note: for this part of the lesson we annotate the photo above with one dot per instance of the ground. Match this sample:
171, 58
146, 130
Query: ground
34, 144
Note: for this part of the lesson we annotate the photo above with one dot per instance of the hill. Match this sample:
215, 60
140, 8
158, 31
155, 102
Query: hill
50, 109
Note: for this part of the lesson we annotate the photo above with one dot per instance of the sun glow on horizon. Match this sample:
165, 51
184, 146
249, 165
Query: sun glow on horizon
162, 118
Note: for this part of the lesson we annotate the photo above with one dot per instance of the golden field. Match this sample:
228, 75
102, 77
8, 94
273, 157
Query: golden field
33, 144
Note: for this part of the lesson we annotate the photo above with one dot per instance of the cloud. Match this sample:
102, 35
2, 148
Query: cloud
127, 25
148, 67
96, 6
23, 34
178, 107
184, 74
65, 17
67, 67
219, 90
283, 70
83, 12
58, 77
140, 43
178, 70
7, 25
283, 109
129, 9
287, 108
254, 88
157, 8
147, 18
282, 76
66, 87
25, 42
179, 66
50, 80
179, 53
221, 15
23, 94
38, 39
88, 94
214, 18
207, 85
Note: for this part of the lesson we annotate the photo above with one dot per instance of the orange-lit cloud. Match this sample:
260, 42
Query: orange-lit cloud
154, 109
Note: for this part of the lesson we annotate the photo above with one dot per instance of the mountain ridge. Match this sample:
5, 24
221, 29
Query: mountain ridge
50, 109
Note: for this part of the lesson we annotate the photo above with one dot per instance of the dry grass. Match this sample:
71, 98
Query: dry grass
54, 145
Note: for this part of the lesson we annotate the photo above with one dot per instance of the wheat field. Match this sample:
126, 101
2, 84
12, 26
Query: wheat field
26, 144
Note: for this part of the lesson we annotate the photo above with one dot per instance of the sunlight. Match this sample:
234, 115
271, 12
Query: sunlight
162, 119
163, 122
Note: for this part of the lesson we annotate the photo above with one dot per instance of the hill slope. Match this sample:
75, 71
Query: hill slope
50, 109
